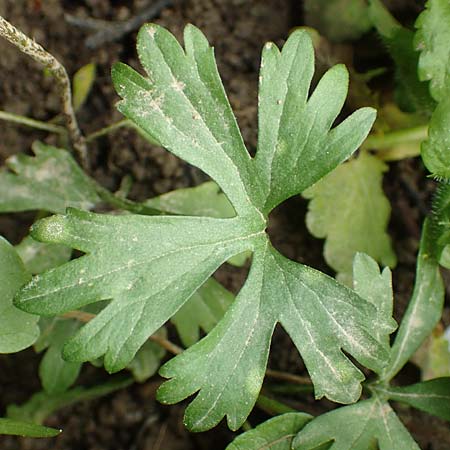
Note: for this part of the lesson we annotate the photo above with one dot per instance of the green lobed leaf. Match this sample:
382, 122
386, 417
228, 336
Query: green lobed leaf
202, 311
38, 257
18, 330
436, 149
295, 144
183, 105
148, 267
432, 396
431, 39
126, 257
49, 181
308, 298
424, 309
376, 288
274, 434
366, 425
349, 209
412, 93
26, 429
338, 20
41, 405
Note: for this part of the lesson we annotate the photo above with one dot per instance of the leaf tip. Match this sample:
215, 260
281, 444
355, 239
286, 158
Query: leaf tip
50, 229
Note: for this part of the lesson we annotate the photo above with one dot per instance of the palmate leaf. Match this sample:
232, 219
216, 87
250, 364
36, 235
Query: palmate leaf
274, 434
49, 181
149, 266
349, 209
367, 425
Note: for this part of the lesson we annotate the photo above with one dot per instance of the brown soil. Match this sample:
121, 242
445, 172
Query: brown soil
132, 419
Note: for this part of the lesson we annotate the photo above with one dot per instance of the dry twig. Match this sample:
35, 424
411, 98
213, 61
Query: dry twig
39, 54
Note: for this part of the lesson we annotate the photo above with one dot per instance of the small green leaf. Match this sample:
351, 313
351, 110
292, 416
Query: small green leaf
202, 311
412, 94
83, 81
432, 396
436, 149
338, 20
274, 434
376, 288
56, 374
26, 429
308, 298
50, 181
148, 359
38, 257
432, 38
348, 208
41, 405
424, 309
18, 330
357, 427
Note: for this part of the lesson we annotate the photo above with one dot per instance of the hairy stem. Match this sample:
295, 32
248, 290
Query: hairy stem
39, 54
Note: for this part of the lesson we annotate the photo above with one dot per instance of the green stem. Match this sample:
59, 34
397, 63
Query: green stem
128, 205
288, 388
109, 129
383, 141
271, 406
33, 123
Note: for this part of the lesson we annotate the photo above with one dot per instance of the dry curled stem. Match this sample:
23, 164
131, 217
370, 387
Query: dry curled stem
39, 54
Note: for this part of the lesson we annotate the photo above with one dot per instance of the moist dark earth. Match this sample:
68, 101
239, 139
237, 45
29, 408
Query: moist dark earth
131, 418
